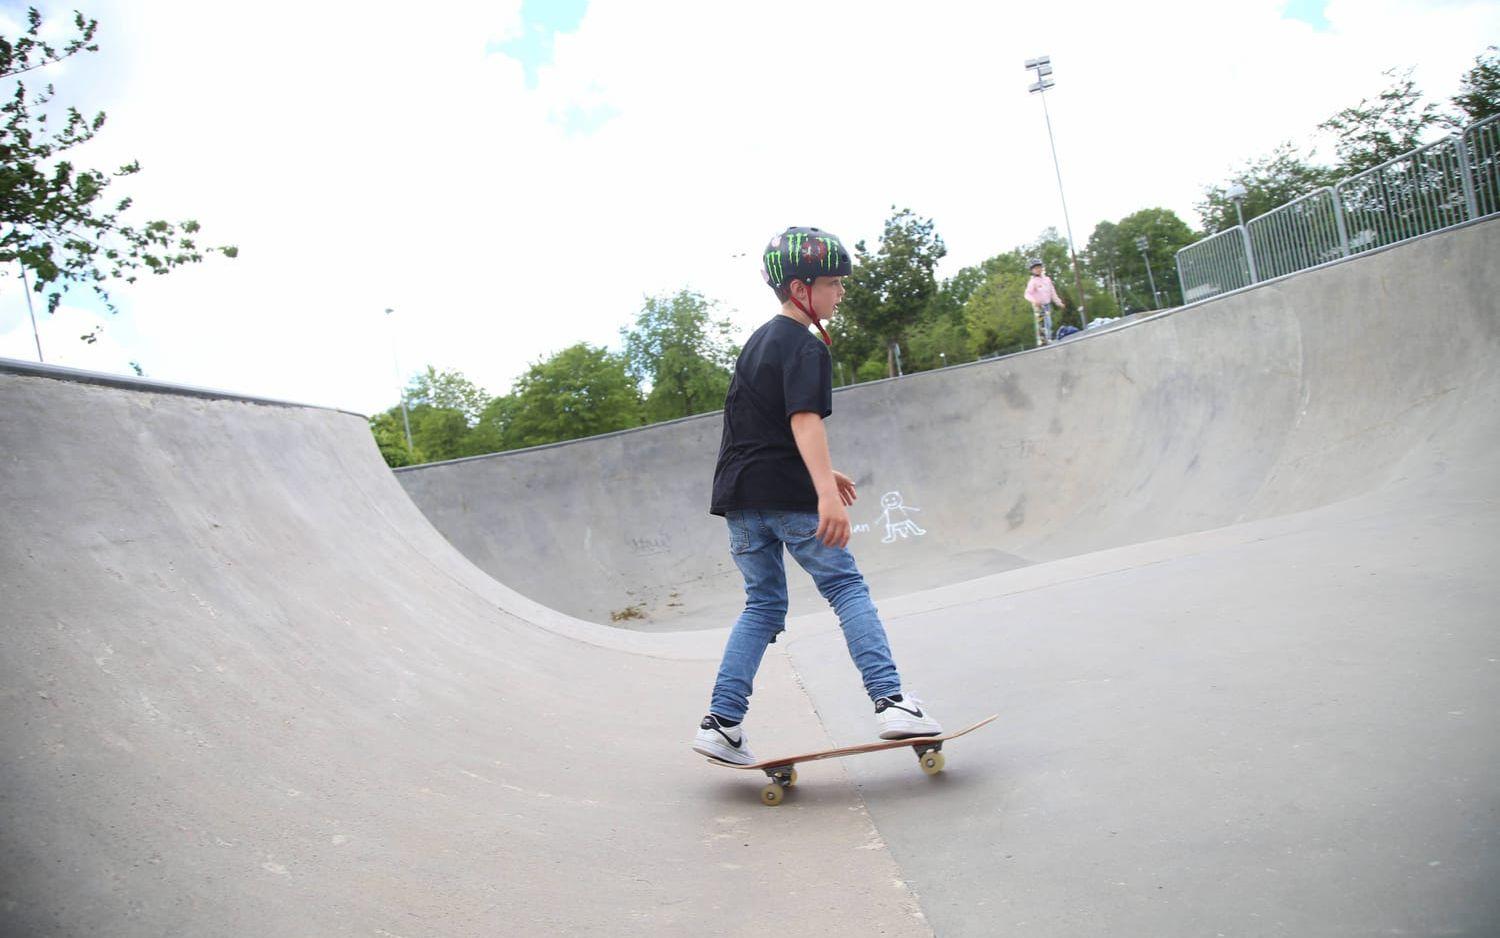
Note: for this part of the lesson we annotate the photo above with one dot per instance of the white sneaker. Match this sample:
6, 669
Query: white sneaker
725, 743
904, 717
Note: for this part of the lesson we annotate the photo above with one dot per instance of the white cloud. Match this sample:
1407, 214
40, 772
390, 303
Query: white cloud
366, 157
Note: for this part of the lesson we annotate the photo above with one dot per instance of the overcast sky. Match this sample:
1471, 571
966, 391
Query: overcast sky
514, 177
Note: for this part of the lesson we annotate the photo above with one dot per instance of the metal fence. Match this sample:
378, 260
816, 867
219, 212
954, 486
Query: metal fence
1442, 184
1217, 264
1302, 233
1482, 144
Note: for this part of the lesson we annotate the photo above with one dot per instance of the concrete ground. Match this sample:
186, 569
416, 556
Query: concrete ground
1226, 574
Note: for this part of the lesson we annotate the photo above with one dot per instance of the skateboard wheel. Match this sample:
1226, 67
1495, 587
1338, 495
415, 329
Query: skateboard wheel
933, 762
792, 779
771, 794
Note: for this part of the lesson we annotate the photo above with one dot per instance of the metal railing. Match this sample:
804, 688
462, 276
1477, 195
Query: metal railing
1411, 195
1482, 145
1302, 233
1217, 264
1436, 186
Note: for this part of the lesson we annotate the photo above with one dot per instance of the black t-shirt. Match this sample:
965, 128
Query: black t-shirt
783, 370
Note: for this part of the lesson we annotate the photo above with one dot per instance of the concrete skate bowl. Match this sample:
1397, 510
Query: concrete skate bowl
246, 688
1297, 393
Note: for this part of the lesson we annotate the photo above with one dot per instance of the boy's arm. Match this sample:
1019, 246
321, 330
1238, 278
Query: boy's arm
812, 443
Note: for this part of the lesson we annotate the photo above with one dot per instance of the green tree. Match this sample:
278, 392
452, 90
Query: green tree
937, 342
1479, 93
54, 219
449, 390
1270, 181
488, 435
1371, 132
1165, 234
889, 290
390, 438
941, 336
997, 317
682, 353
580, 391
438, 432
953, 293
852, 347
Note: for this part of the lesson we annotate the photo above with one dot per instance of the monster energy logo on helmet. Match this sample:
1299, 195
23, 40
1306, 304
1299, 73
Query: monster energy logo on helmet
803, 254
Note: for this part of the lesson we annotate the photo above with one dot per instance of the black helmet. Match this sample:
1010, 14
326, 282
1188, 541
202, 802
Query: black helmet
802, 254
1035, 262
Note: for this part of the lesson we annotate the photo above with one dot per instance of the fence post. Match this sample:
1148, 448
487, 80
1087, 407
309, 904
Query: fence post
1249, 252
1471, 206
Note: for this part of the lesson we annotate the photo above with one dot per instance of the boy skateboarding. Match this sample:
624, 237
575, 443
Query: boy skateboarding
776, 488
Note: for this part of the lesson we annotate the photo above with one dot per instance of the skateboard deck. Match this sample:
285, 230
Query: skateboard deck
783, 771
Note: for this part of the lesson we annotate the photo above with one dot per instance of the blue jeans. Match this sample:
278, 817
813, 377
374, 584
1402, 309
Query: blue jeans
755, 540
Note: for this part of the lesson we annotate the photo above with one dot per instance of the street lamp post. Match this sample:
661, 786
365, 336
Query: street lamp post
1042, 65
405, 418
26, 289
1142, 243
1237, 193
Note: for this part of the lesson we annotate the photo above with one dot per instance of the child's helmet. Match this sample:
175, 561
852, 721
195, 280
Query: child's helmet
1034, 262
802, 254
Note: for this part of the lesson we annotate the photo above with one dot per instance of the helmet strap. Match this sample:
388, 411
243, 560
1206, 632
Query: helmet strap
807, 311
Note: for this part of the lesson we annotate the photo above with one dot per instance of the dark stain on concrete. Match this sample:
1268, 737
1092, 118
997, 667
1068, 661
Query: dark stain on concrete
1017, 514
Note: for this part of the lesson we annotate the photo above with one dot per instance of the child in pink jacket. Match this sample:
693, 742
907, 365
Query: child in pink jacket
1041, 294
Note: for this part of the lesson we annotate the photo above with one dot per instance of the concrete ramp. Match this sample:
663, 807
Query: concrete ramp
1298, 393
245, 689
1227, 575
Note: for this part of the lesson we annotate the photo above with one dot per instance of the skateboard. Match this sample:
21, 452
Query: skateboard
1043, 319
783, 771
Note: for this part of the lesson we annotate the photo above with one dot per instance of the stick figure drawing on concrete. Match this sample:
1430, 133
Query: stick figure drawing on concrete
896, 521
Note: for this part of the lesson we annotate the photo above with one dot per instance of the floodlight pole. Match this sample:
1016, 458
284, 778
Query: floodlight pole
405, 419
1042, 65
1237, 193
26, 289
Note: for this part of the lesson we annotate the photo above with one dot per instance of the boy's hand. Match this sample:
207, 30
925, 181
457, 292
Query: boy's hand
833, 520
846, 487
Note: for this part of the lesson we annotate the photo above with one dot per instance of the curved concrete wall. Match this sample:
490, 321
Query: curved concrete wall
246, 689
1285, 396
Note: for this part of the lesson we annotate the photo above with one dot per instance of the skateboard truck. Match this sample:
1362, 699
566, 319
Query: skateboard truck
929, 756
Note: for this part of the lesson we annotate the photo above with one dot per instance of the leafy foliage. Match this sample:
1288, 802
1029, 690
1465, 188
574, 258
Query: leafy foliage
684, 355
448, 390
889, 290
55, 218
580, 391
1372, 132
1115, 257
997, 317
1270, 181
1479, 93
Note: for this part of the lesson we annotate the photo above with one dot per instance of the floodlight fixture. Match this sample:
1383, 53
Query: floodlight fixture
1042, 65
